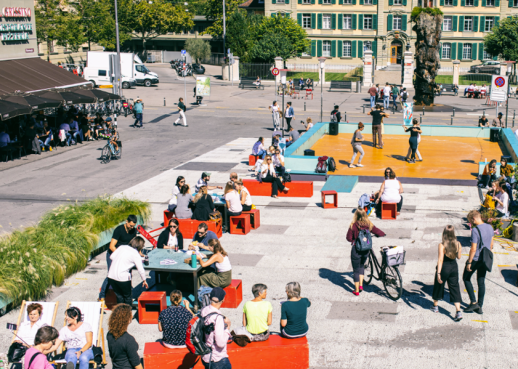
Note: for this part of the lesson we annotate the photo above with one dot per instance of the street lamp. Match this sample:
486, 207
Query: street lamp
322, 63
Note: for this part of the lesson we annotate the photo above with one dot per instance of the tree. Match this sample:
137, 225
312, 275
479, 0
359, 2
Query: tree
214, 12
53, 23
270, 46
197, 48
503, 41
241, 34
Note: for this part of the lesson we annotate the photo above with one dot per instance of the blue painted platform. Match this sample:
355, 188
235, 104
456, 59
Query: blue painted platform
340, 183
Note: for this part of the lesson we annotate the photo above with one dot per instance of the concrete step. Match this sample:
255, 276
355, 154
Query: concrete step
392, 67
383, 76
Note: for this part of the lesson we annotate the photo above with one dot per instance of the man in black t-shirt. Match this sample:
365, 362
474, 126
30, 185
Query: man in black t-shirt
181, 109
336, 113
377, 116
122, 235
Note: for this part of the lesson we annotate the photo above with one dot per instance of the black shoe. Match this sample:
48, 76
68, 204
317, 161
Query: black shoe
479, 311
471, 308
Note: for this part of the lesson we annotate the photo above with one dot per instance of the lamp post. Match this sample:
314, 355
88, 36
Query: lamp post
322, 63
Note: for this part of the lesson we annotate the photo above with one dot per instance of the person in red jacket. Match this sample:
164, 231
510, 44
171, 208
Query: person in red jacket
359, 258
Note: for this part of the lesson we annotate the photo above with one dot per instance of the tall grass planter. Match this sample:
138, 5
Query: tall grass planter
36, 258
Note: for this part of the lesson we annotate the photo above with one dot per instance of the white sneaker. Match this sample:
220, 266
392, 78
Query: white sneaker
359, 165
352, 166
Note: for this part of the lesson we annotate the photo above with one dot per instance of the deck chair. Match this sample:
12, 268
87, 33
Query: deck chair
48, 315
93, 313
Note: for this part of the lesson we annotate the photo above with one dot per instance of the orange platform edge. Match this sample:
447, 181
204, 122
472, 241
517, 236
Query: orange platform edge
189, 227
297, 188
234, 294
275, 353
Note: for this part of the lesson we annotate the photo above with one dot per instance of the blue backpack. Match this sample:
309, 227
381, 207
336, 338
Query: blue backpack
364, 241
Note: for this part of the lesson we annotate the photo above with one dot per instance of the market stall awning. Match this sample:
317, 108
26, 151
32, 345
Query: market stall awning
9, 109
67, 97
35, 74
35, 102
100, 95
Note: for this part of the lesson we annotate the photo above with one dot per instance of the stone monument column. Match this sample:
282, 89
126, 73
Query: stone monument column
456, 72
367, 69
408, 69
279, 65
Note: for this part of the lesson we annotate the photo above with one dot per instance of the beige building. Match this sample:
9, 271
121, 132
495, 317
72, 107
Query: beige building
66, 56
343, 29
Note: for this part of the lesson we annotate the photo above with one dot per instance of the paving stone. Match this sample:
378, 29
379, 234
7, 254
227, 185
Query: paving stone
364, 311
271, 229
419, 254
291, 205
207, 167
513, 316
249, 260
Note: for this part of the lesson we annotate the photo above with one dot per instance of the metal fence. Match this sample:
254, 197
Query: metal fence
330, 68
252, 70
476, 77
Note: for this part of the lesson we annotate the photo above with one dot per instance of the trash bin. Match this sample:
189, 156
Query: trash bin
494, 135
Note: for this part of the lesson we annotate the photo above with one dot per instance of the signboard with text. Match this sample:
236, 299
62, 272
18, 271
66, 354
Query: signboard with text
17, 29
202, 86
499, 88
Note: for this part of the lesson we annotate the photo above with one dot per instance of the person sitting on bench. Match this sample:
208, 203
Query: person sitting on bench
202, 237
233, 201
391, 190
268, 175
278, 162
293, 136
507, 171
257, 314
221, 276
258, 149
294, 313
489, 174
501, 199
204, 205
171, 237
174, 320
257, 81
246, 199
301, 83
184, 203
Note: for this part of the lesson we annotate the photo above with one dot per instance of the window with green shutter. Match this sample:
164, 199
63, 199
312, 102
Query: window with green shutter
497, 3
313, 48
360, 49
333, 21
312, 1
497, 19
454, 26
274, 1
511, 3
460, 47
462, 2
475, 3
474, 51
453, 51
299, 19
355, 26
300, 1
353, 49
361, 2
313, 20
286, 1
482, 23
360, 21
475, 24
404, 2
375, 48
461, 23
333, 49
320, 1
404, 22
440, 51
375, 21
484, 2
273, 15
354, 2
319, 48
481, 51
340, 21
340, 47
319, 21
389, 22
455, 2
442, 2
391, 2
374, 2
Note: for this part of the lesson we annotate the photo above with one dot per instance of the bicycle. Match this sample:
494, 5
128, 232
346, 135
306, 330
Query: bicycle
109, 152
389, 275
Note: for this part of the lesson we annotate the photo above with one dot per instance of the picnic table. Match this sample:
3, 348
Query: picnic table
157, 255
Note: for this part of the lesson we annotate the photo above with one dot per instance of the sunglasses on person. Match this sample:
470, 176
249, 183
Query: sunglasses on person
173, 226
268, 159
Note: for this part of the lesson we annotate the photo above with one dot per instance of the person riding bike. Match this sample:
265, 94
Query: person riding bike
113, 141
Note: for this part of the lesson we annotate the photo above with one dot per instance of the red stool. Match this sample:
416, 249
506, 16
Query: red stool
329, 205
388, 210
252, 159
240, 224
234, 294
151, 298
255, 218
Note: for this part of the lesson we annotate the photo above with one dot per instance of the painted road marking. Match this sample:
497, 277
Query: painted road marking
473, 291
501, 253
480, 321
83, 279
504, 266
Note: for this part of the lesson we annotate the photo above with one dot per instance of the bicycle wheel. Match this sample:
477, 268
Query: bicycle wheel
106, 154
369, 270
393, 283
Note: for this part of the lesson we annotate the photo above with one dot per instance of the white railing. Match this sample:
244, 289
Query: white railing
331, 68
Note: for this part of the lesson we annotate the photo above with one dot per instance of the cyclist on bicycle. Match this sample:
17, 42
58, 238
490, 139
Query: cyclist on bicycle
113, 141
358, 258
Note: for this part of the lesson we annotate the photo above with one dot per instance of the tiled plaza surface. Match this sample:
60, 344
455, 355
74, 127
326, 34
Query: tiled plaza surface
300, 241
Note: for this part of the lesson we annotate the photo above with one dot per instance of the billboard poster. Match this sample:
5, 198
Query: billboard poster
408, 113
202, 86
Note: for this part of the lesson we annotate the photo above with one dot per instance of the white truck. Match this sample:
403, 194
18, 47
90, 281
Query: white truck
100, 69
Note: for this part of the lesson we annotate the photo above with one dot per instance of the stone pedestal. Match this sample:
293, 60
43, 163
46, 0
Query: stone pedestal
367, 69
408, 70
456, 72
279, 65
232, 73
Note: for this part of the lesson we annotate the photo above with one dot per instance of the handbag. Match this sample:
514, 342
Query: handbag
16, 352
486, 255
215, 216
98, 354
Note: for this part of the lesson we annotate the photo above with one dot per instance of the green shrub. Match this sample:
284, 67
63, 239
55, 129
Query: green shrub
38, 257
417, 11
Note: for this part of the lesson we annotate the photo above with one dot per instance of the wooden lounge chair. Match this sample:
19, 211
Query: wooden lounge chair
48, 314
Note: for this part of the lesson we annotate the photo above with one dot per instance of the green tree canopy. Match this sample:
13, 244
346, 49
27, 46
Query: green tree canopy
503, 40
241, 34
214, 12
197, 48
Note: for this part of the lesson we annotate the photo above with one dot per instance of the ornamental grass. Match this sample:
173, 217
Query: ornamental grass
34, 259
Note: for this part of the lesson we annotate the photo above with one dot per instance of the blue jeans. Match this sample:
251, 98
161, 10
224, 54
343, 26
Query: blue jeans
84, 359
139, 119
262, 154
104, 287
68, 138
386, 102
78, 136
394, 98
373, 101
222, 364
47, 142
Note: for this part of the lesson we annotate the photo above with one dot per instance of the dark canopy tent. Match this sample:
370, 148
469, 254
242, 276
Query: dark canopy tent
100, 95
9, 109
35, 102
67, 97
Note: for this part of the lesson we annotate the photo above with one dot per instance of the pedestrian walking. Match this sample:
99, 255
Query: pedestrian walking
404, 96
274, 109
481, 238
335, 114
447, 270
181, 109
395, 95
372, 93
139, 111
377, 115
356, 143
386, 95
415, 131
289, 114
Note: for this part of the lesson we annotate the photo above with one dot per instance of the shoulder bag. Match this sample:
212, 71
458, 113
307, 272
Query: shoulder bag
486, 255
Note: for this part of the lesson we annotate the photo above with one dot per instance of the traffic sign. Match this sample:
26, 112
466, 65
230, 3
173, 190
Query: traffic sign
183, 52
499, 88
275, 71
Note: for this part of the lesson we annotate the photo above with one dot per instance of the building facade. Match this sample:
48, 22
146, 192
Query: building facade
343, 29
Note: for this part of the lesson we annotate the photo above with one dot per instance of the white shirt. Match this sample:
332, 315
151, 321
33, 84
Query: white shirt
234, 202
248, 199
275, 108
310, 125
391, 191
386, 91
277, 161
265, 168
77, 338
504, 197
123, 260
174, 198
224, 266
172, 241
28, 333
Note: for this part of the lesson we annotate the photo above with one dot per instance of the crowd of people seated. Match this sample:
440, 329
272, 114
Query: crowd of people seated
500, 188
474, 91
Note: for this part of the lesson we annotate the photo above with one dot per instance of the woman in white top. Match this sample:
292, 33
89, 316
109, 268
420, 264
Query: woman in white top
246, 199
233, 201
502, 200
29, 328
222, 276
124, 259
309, 124
268, 175
274, 109
180, 181
78, 336
391, 190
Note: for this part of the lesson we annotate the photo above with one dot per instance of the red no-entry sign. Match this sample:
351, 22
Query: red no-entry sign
275, 71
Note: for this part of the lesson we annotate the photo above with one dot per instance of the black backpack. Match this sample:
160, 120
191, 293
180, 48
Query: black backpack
364, 240
405, 96
286, 177
321, 165
331, 164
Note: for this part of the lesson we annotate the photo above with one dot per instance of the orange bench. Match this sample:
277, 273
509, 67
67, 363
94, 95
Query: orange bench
297, 188
252, 159
255, 218
240, 224
388, 210
275, 353
234, 294
151, 298
189, 227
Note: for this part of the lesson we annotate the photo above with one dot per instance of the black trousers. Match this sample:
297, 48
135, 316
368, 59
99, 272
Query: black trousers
122, 291
276, 184
247, 207
479, 267
450, 274
288, 122
486, 179
231, 214
358, 260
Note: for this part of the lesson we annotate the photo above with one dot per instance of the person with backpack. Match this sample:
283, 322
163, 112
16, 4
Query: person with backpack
36, 356
218, 337
356, 143
335, 115
404, 95
481, 238
359, 235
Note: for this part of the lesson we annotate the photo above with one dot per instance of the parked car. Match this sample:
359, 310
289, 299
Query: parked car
198, 68
490, 66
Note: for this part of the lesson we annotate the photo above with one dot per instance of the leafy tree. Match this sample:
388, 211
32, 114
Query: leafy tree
241, 34
503, 40
197, 48
270, 46
53, 23
214, 12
